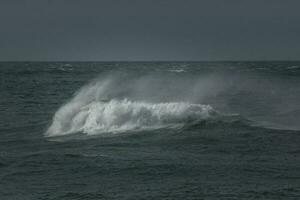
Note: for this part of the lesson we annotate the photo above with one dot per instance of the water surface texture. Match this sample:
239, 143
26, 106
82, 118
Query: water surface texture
208, 130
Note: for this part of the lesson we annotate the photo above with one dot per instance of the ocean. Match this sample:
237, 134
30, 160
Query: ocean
149, 130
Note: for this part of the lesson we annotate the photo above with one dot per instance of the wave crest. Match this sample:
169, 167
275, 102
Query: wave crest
115, 115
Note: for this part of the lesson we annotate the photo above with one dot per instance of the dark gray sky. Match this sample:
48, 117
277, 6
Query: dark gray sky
104, 30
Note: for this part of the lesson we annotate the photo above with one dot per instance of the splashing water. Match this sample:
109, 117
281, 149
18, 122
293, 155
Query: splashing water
123, 115
118, 103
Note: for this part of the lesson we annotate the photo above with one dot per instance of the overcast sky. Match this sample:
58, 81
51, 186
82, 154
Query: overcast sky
121, 30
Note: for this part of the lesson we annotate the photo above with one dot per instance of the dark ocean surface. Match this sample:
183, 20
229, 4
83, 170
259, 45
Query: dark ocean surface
208, 130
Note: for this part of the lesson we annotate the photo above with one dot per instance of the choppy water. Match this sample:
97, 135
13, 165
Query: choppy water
210, 130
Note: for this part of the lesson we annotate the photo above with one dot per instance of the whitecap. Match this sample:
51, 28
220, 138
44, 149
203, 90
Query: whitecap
293, 67
177, 70
117, 116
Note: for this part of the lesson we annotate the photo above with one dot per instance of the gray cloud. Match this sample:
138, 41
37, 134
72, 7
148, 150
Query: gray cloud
149, 29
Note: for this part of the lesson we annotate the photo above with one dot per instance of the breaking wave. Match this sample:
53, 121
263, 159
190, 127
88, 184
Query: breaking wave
117, 102
122, 115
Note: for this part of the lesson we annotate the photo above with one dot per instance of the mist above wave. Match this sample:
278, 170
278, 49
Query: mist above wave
134, 99
117, 102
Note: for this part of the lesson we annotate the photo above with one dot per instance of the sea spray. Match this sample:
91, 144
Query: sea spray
122, 115
117, 102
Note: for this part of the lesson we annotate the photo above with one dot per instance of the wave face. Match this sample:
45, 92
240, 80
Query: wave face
122, 115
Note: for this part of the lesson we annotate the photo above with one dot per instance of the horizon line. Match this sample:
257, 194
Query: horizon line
149, 61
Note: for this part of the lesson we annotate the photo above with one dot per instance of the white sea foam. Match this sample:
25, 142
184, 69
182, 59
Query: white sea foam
122, 115
293, 67
118, 102
177, 70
